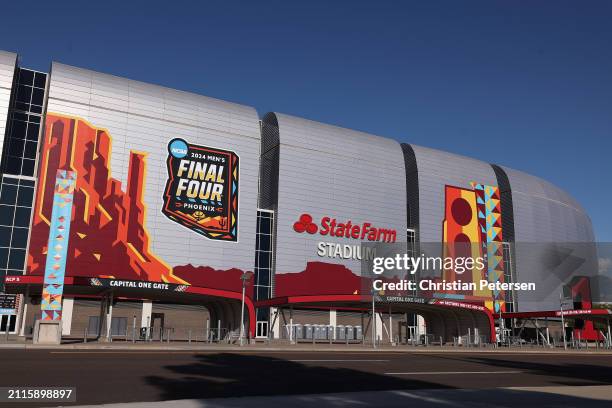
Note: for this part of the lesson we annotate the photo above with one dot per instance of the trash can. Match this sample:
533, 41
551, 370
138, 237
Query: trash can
329, 332
308, 331
350, 334
340, 332
316, 332
358, 333
298, 332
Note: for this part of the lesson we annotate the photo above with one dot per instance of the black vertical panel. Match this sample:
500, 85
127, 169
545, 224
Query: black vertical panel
507, 213
412, 188
268, 173
506, 203
268, 179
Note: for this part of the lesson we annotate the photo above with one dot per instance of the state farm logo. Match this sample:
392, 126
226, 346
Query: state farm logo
305, 224
347, 229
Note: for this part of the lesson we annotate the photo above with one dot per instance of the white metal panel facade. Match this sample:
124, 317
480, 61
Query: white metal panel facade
344, 174
144, 117
551, 230
436, 169
545, 213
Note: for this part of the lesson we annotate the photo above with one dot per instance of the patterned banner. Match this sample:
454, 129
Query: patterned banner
488, 202
473, 217
57, 248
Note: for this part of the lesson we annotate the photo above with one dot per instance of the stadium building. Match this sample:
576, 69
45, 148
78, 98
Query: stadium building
130, 211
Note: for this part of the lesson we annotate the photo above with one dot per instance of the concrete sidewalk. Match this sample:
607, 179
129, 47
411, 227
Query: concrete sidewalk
541, 397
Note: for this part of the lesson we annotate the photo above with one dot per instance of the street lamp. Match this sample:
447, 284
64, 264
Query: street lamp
373, 318
245, 277
501, 321
562, 319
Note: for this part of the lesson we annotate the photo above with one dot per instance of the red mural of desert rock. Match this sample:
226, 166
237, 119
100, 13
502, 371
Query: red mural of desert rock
108, 237
319, 278
214, 279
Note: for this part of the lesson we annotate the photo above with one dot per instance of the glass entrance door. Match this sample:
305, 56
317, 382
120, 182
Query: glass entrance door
261, 330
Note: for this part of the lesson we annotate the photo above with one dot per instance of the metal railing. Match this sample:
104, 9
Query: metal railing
327, 334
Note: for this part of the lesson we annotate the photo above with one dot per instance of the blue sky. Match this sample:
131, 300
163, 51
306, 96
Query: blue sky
527, 84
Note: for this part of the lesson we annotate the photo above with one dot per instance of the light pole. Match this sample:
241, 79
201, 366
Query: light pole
245, 277
562, 320
501, 323
373, 321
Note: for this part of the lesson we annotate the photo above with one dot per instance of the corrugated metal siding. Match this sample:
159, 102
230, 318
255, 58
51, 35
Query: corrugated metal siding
545, 215
437, 169
331, 171
145, 117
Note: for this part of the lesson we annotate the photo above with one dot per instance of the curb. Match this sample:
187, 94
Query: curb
256, 348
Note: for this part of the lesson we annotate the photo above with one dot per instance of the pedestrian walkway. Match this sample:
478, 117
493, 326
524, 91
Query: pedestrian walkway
285, 346
559, 396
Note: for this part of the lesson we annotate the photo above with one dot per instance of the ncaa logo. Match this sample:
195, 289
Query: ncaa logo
178, 148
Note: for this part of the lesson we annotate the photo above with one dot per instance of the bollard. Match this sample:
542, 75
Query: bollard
85, 336
7, 331
189, 336
168, 336
440, 341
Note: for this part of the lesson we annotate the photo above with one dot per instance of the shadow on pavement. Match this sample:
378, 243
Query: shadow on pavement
224, 380
238, 375
579, 373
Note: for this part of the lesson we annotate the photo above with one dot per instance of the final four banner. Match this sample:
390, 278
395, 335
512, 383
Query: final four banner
202, 190
57, 248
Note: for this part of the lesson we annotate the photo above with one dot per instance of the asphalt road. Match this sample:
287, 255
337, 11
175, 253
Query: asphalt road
107, 376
